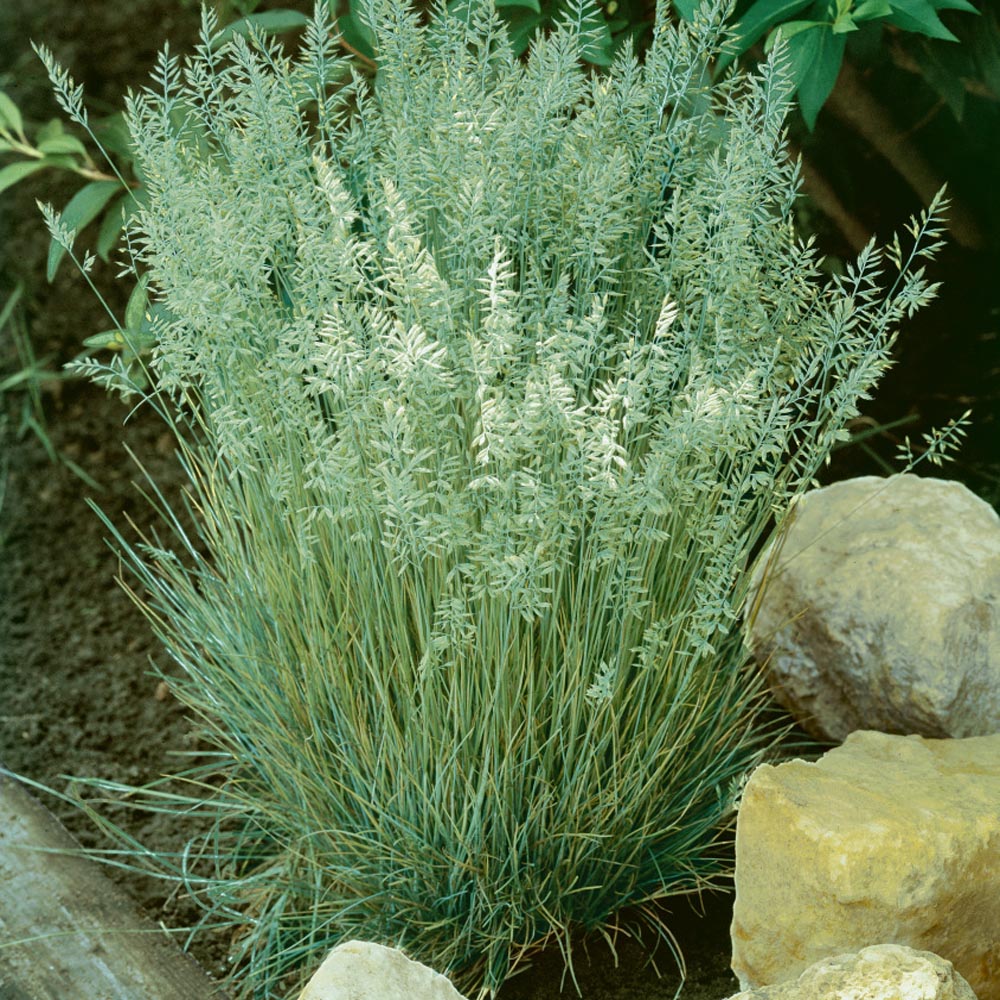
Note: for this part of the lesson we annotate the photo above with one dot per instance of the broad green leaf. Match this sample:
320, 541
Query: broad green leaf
107, 339
843, 25
49, 130
599, 53
760, 18
919, 16
599, 46
586, 19
10, 116
532, 5
277, 21
62, 160
114, 135
357, 34
686, 8
843, 20
815, 58
113, 222
15, 172
871, 10
130, 342
135, 311
789, 30
5, 146
270, 22
521, 27
81, 209
955, 5
62, 144
627, 35
462, 9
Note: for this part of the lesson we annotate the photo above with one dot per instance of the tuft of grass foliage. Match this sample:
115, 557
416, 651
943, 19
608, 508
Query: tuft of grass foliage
489, 376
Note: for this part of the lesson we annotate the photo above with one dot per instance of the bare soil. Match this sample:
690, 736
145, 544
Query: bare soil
81, 691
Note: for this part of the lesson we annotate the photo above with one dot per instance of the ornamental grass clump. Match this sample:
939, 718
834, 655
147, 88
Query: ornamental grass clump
489, 377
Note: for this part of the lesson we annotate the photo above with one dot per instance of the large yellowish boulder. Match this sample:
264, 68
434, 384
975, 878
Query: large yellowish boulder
361, 970
881, 610
880, 972
886, 839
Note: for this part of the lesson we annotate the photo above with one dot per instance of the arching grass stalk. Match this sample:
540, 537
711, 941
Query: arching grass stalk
489, 377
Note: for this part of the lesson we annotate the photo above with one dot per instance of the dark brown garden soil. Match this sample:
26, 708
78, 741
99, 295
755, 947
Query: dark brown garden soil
79, 687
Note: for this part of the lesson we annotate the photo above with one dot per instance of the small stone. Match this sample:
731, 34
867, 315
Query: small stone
879, 972
886, 838
360, 970
881, 610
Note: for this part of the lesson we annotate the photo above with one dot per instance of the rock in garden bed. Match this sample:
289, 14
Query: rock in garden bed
884, 839
880, 609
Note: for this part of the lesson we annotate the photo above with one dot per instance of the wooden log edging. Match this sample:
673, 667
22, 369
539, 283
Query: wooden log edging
66, 931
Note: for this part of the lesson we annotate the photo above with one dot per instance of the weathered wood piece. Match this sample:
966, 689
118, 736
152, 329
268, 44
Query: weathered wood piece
67, 931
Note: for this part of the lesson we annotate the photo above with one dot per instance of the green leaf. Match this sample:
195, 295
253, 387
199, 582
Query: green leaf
62, 144
106, 339
521, 27
50, 129
462, 9
814, 58
956, 5
15, 172
130, 342
357, 34
135, 311
587, 21
599, 53
627, 36
270, 22
114, 135
871, 10
113, 222
10, 116
82, 208
598, 50
843, 25
760, 18
919, 16
62, 160
686, 8
532, 5
789, 30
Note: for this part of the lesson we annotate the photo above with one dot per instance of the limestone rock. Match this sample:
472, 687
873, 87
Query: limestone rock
360, 970
881, 610
880, 972
884, 839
